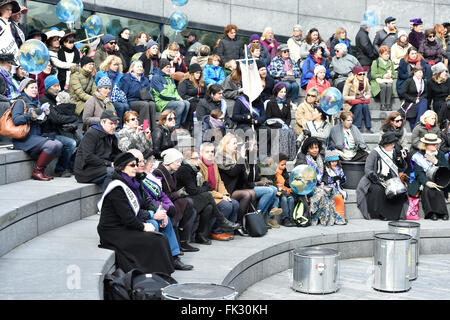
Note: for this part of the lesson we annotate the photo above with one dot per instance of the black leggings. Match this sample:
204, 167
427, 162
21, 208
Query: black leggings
183, 229
244, 197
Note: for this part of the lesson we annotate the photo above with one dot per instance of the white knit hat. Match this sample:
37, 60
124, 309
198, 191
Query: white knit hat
319, 68
171, 155
438, 68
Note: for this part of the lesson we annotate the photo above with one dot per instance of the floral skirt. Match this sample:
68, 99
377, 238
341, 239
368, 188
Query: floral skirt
323, 209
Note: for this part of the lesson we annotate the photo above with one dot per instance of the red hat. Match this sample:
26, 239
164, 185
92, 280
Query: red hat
358, 69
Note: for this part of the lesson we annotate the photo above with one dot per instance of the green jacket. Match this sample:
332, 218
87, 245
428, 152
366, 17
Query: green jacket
81, 88
164, 90
378, 70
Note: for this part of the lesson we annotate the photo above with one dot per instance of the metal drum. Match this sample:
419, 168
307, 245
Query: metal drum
413, 229
198, 291
391, 252
315, 270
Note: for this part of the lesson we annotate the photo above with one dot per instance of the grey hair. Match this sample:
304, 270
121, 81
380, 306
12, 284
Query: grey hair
206, 145
341, 47
134, 64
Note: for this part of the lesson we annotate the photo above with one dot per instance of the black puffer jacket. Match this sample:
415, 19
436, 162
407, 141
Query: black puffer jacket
229, 49
162, 140
189, 92
205, 107
366, 50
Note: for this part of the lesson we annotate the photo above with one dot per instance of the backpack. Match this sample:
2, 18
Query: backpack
301, 213
135, 285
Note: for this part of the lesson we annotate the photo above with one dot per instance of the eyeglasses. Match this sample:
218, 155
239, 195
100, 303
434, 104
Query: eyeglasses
311, 95
134, 119
195, 158
133, 165
112, 42
172, 118
398, 120
71, 41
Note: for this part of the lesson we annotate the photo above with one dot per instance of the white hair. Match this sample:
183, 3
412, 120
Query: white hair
341, 47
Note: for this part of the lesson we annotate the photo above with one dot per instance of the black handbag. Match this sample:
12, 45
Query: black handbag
145, 95
254, 223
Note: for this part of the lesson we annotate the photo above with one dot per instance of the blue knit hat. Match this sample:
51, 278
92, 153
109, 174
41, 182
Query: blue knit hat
50, 81
150, 44
104, 82
107, 38
331, 155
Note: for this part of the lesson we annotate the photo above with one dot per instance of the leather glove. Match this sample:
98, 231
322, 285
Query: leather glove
307, 133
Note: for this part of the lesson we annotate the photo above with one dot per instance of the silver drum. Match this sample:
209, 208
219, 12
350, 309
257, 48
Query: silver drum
198, 291
391, 253
315, 270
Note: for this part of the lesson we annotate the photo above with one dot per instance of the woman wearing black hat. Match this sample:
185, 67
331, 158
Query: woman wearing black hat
192, 88
381, 165
433, 187
123, 227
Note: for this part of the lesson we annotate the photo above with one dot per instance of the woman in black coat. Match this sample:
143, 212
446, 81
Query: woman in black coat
438, 91
126, 47
162, 134
243, 117
122, 226
414, 92
213, 100
229, 46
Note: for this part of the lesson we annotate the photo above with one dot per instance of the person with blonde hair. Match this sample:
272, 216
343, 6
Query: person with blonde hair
304, 112
268, 40
172, 53
428, 124
163, 136
400, 48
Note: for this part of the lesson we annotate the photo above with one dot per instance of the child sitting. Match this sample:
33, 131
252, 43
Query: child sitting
213, 73
334, 177
284, 192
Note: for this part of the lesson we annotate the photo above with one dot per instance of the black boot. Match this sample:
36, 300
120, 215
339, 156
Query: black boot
186, 247
227, 225
201, 239
179, 265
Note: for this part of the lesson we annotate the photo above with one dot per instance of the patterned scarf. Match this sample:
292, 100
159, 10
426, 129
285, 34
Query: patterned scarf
153, 186
316, 164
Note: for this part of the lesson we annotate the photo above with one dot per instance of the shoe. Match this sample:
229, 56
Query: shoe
434, 217
268, 225
226, 224
38, 174
202, 239
273, 223
370, 130
220, 236
41, 163
288, 223
383, 108
445, 217
276, 211
186, 247
179, 265
241, 232
63, 174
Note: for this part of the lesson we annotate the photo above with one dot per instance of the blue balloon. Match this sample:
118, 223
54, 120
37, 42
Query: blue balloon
33, 56
68, 11
331, 101
180, 3
178, 21
303, 179
371, 19
93, 25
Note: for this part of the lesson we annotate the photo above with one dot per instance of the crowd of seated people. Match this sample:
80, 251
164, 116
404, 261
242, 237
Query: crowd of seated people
97, 112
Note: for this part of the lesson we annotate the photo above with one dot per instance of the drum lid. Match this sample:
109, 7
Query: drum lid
198, 291
393, 236
404, 224
315, 252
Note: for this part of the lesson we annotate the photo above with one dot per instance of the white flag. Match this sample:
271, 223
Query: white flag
251, 81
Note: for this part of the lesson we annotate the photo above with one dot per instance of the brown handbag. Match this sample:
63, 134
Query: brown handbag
9, 129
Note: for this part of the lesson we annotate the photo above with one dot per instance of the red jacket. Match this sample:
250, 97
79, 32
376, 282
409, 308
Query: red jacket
313, 83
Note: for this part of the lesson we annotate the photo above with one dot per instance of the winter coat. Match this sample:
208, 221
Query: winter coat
101, 55
189, 92
314, 83
419, 131
398, 53
96, 152
213, 74
131, 86
201, 60
273, 111
231, 92
94, 108
234, 176
34, 137
272, 50
378, 70
81, 88
405, 72
366, 51
266, 94
334, 42
410, 94
305, 47
431, 51
445, 145
402, 143
170, 188
210, 134
338, 141
129, 139
180, 66
116, 81
308, 70
384, 38
294, 48
187, 178
204, 108
164, 90
162, 140
150, 65
303, 114
341, 68
437, 93
121, 230
63, 56
220, 189
127, 50
229, 49
351, 90
241, 113
416, 38
277, 68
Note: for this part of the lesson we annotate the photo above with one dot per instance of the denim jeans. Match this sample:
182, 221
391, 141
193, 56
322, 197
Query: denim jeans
287, 205
229, 210
181, 109
104, 180
68, 148
361, 111
266, 196
121, 107
292, 90
169, 233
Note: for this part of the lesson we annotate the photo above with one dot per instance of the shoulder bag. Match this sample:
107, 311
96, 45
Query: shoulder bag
254, 223
9, 129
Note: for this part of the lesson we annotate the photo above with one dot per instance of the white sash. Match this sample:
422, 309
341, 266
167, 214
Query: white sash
387, 160
132, 199
8, 43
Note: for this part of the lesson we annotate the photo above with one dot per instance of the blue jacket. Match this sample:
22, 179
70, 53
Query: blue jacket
34, 137
213, 74
100, 74
308, 70
131, 86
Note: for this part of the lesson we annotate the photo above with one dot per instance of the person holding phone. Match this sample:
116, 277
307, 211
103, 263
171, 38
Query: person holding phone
135, 136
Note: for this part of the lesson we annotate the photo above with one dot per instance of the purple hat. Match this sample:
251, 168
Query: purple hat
254, 37
278, 87
416, 21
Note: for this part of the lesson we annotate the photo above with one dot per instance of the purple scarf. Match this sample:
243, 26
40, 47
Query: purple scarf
133, 184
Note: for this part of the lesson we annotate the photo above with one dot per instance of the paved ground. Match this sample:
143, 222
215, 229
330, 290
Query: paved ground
355, 280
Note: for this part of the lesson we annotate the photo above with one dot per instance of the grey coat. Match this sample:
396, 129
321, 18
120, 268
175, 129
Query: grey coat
419, 132
341, 68
338, 141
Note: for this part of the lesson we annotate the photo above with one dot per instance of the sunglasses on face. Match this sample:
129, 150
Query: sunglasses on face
112, 42
133, 165
71, 41
361, 74
430, 36
311, 95
398, 120
172, 118
134, 119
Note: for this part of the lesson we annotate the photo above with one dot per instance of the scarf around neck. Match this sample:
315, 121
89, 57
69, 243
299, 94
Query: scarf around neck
112, 74
316, 164
211, 173
216, 123
133, 184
